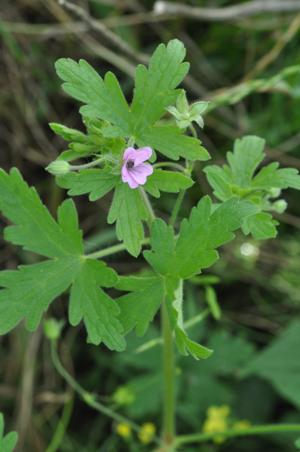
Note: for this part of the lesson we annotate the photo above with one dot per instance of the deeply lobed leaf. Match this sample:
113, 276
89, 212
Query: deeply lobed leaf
27, 292
34, 228
155, 85
128, 211
241, 179
103, 98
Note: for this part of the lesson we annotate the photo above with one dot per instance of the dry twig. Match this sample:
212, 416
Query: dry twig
234, 12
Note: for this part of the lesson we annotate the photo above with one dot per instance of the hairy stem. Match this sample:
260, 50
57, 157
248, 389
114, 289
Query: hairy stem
176, 207
174, 165
148, 205
110, 250
169, 429
87, 165
180, 197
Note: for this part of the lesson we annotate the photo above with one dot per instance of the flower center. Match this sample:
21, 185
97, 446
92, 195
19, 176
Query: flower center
130, 164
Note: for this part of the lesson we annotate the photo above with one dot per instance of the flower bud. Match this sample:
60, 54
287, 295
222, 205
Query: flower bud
58, 167
274, 192
280, 206
52, 329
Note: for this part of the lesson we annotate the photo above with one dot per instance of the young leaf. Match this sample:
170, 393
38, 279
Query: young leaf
9, 441
271, 176
155, 86
90, 303
139, 307
261, 226
239, 180
247, 154
96, 182
168, 181
128, 211
171, 142
240, 174
102, 98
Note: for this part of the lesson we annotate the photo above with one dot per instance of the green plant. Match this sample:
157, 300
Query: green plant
127, 148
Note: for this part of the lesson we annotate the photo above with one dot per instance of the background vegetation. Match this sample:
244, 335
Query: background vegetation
255, 370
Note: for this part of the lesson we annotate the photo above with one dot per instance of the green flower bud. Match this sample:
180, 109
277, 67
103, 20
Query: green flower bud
123, 396
58, 167
52, 329
274, 192
279, 206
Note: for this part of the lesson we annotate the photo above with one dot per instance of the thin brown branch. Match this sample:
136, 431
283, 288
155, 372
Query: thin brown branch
234, 12
274, 53
101, 28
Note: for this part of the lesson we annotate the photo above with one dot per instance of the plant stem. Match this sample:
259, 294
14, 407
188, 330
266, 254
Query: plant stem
180, 197
87, 165
255, 430
88, 397
159, 340
168, 379
174, 165
112, 250
176, 207
148, 205
61, 427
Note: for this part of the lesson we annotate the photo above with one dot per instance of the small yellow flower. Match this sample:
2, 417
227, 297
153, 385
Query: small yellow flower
241, 425
123, 430
222, 411
147, 432
217, 421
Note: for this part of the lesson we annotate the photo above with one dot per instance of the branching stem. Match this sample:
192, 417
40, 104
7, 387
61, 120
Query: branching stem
250, 431
88, 397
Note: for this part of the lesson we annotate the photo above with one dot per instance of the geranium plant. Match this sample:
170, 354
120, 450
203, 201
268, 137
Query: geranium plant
139, 151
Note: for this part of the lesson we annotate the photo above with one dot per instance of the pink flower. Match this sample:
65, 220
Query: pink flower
134, 170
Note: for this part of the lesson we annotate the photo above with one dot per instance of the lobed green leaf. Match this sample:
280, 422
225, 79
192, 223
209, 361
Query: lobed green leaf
167, 181
103, 98
129, 212
155, 85
95, 182
171, 142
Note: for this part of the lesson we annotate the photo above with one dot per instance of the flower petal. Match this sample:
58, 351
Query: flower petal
124, 173
130, 154
142, 155
127, 178
132, 182
141, 172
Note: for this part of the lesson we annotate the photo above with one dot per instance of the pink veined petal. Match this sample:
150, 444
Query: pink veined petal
141, 172
125, 173
129, 154
142, 155
131, 181
147, 168
127, 178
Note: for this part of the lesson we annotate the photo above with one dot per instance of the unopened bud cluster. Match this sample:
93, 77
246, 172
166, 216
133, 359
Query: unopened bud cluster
185, 114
